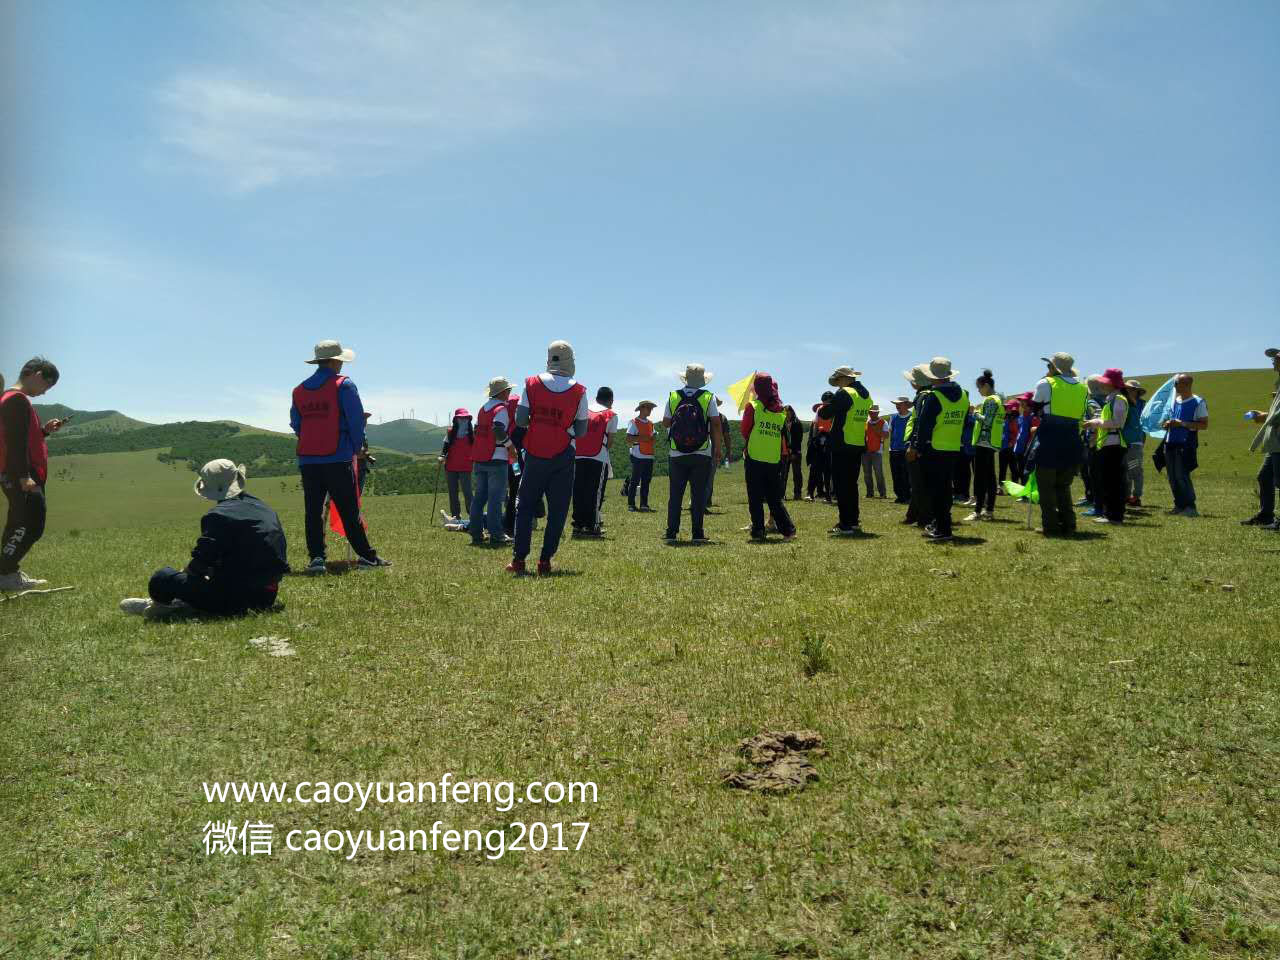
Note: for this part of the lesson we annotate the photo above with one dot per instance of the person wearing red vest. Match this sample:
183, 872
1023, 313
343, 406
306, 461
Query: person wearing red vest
26, 468
554, 411
455, 454
490, 460
591, 469
329, 418
640, 434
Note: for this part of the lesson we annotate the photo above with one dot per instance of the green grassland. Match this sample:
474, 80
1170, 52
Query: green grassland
1036, 748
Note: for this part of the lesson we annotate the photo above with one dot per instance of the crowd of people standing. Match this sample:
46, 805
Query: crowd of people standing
543, 455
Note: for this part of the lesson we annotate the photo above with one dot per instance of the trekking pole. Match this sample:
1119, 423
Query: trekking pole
435, 490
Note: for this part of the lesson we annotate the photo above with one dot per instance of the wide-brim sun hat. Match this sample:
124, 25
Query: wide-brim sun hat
939, 368
461, 412
1135, 386
1064, 363
645, 403
220, 480
497, 385
1113, 377
843, 373
332, 350
1272, 352
918, 375
695, 375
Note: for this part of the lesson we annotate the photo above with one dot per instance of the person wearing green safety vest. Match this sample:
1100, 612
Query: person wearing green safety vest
937, 439
919, 512
1061, 401
848, 410
1110, 446
988, 440
762, 424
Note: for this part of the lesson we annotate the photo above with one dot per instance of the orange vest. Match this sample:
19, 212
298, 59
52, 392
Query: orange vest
645, 432
823, 424
875, 435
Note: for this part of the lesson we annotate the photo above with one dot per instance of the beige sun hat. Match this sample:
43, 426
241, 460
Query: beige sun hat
918, 376
497, 385
939, 369
899, 400
332, 350
646, 403
1064, 363
695, 375
220, 480
560, 358
843, 373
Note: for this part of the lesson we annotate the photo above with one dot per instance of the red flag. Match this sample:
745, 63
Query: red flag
335, 521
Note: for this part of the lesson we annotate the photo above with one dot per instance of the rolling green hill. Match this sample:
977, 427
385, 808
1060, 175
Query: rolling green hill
406, 436
87, 422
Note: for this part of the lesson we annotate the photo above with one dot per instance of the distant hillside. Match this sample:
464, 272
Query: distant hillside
88, 421
196, 442
407, 436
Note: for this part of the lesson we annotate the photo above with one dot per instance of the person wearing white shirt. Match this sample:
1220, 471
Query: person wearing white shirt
640, 437
591, 472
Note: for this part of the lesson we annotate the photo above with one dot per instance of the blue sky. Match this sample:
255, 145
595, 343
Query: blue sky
195, 193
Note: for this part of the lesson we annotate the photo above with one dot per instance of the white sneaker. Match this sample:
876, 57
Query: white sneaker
136, 605
159, 611
1102, 520
971, 518
29, 582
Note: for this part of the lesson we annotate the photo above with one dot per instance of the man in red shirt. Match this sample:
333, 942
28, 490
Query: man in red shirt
26, 468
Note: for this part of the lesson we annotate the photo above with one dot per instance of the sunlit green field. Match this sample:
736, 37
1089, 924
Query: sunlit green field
1035, 748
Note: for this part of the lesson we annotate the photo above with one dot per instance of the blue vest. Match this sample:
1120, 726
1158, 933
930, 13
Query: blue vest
966, 438
1024, 433
1184, 410
898, 432
1133, 432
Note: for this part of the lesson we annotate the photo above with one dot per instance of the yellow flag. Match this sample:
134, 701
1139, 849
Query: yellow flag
743, 391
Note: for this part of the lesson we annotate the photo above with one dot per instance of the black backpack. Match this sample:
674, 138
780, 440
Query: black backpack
689, 429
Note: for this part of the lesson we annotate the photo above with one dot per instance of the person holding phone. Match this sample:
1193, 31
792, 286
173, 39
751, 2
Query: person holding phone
25, 470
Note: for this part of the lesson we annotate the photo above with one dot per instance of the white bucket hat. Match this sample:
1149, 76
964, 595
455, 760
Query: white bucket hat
1064, 363
560, 358
695, 375
918, 376
220, 480
332, 350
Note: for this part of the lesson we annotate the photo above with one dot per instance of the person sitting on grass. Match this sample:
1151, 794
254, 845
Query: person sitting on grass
237, 561
24, 462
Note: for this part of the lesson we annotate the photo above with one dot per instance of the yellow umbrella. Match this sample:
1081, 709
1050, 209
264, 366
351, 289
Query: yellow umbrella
743, 391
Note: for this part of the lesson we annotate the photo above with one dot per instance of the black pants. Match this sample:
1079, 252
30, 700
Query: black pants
1006, 463
1268, 481
984, 479
1057, 513
1110, 489
641, 476
588, 493
900, 475
168, 584
24, 525
1018, 467
797, 477
939, 469
548, 479
921, 510
338, 480
846, 464
819, 485
765, 484
962, 474
692, 470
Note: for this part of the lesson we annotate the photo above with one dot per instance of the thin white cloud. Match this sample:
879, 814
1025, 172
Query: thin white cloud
319, 90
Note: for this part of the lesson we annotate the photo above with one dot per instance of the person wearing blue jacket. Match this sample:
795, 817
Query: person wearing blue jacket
328, 419
1136, 438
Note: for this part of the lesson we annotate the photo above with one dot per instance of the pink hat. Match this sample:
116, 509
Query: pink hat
1113, 377
461, 412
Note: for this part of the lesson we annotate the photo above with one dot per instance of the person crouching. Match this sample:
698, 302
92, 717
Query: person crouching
237, 561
